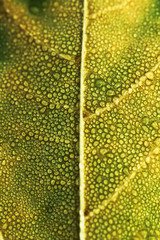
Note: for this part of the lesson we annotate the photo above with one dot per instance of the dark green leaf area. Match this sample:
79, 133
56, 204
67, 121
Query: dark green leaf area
4, 44
36, 7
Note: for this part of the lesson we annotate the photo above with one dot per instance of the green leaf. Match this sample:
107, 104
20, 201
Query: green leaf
121, 121
40, 47
46, 63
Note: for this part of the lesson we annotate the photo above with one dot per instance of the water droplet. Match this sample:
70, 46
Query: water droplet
99, 179
157, 141
125, 170
34, 10
99, 83
103, 151
145, 120
117, 85
150, 75
145, 128
148, 82
52, 182
155, 125
5, 226
147, 223
29, 96
110, 93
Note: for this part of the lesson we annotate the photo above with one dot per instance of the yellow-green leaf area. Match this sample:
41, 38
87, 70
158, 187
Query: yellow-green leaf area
121, 121
39, 175
41, 56
122, 45
36, 7
133, 213
56, 24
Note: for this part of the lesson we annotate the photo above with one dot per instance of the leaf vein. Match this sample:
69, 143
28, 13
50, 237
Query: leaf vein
109, 9
126, 182
38, 41
109, 106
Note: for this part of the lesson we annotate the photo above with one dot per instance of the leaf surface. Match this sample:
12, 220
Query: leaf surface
121, 120
39, 71
40, 61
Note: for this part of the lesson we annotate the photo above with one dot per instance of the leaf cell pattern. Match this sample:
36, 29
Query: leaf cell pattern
121, 121
40, 46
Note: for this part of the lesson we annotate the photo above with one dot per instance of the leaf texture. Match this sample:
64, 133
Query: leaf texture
120, 117
40, 47
41, 54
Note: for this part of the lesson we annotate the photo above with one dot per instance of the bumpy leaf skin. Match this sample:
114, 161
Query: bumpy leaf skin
39, 72
121, 120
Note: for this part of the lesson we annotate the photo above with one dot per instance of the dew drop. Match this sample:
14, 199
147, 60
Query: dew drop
99, 83
110, 92
34, 10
